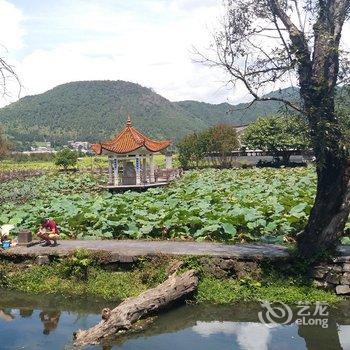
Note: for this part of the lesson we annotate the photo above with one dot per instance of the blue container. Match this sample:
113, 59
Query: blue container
6, 244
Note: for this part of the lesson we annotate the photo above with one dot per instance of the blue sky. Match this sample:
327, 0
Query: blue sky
149, 42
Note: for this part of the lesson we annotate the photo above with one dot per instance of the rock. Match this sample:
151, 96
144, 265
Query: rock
247, 268
318, 284
346, 267
333, 277
342, 289
42, 260
112, 258
213, 267
215, 271
337, 268
126, 258
345, 279
227, 264
320, 271
222, 268
323, 285
342, 259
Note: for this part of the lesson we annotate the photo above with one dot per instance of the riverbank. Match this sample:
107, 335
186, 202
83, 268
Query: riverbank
222, 280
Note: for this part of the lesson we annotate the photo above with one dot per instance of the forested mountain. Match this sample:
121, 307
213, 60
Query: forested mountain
237, 114
95, 110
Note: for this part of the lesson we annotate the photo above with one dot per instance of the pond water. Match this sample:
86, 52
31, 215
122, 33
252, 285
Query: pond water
47, 322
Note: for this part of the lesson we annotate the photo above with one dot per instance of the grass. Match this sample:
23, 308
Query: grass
65, 278
48, 279
213, 290
49, 165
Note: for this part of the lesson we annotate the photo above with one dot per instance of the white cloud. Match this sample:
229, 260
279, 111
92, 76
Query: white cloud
11, 40
150, 44
126, 45
11, 30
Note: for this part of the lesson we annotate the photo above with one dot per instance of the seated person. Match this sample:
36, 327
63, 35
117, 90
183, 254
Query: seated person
49, 232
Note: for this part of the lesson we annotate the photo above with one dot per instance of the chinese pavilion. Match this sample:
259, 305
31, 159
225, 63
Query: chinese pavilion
131, 160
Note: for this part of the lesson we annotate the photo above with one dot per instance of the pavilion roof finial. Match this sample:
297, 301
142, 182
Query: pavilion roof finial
128, 122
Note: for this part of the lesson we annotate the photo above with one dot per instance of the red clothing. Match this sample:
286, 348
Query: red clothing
51, 226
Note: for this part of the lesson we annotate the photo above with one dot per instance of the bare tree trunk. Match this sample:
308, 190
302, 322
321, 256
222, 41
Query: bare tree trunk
332, 203
131, 310
330, 211
285, 157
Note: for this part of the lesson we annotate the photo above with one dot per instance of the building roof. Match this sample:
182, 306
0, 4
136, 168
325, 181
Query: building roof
129, 140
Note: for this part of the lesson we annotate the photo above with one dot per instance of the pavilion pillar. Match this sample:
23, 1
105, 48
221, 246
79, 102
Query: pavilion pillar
144, 169
151, 169
124, 173
116, 171
168, 160
110, 171
138, 169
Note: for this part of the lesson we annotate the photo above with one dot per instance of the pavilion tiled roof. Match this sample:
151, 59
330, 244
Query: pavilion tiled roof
129, 140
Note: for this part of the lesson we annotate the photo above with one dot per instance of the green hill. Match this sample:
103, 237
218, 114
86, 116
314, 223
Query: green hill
240, 114
95, 110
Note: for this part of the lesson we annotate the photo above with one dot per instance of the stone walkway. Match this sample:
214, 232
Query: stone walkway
126, 250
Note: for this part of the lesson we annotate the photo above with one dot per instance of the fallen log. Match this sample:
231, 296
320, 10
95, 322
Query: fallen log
131, 310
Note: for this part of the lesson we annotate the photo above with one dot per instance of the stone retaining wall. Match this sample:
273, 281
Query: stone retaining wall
334, 276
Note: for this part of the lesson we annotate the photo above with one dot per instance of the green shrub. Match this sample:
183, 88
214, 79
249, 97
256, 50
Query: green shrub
77, 266
66, 158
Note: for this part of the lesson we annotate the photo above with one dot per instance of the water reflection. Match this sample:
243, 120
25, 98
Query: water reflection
50, 320
252, 336
344, 336
30, 322
26, 312
6, 315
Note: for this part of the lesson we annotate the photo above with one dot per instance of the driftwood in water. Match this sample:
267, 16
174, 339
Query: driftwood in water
131, 310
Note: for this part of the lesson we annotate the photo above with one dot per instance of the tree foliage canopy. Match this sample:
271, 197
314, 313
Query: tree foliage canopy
66, 158
213, 145
5, 144
277, 134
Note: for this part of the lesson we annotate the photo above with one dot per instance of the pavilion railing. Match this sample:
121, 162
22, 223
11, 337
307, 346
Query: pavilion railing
160, 175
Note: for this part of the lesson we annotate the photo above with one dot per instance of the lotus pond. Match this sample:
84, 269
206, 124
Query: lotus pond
269, 205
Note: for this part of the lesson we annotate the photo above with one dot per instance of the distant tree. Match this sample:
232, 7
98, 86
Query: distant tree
278, 135
66, 158
220, 141
5, 144
215, 144
191, 149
